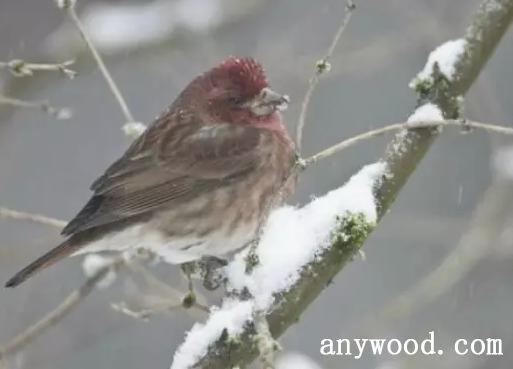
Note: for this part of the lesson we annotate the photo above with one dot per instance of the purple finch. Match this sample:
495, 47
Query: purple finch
200, 181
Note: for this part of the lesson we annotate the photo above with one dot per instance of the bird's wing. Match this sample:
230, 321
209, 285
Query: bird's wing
167, 165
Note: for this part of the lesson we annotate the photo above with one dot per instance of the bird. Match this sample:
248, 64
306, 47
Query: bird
200, 181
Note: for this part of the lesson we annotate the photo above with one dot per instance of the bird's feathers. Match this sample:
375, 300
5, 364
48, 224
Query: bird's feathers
200, 180
184, 161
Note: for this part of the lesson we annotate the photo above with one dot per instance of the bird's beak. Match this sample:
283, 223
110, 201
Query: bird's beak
269, 97
268, 102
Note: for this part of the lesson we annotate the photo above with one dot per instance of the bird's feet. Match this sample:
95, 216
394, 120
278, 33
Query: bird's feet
213, 275
189, 270
209, 269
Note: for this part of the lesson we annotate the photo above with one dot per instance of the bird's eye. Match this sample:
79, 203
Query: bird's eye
236, 100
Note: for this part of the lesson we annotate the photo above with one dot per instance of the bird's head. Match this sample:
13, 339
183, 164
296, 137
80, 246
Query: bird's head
237, 91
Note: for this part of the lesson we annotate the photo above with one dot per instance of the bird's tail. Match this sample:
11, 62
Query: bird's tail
64, 249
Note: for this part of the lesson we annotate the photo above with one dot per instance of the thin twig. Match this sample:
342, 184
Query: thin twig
21, 68
322, 66
70, 10
7, 213
152, 280
170, 292
59, 113
147, 311
56, 315
464, 124
167, 290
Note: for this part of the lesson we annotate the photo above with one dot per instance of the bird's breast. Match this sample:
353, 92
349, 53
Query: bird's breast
229, 215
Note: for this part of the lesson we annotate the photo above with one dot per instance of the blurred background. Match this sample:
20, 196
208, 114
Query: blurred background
153, 48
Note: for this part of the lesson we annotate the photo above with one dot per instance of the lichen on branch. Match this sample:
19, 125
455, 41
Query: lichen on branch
488, 26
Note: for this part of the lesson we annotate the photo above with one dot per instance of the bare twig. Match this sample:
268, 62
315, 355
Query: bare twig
147, 311
154, 282
464, 124
21, 68
322, 66
55, 316
7, 213
70, 10
173, 297
78, 295
59, 113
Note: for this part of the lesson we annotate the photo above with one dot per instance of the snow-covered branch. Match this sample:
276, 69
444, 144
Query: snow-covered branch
292, 268
295, 242
445, 90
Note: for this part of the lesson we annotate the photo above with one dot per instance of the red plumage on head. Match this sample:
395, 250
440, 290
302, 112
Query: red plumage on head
222, 90
246, 73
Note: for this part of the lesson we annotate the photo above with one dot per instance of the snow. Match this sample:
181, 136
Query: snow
94, 263
292, 238
492, 6
232, 316
133, 129
446, 55
426, 113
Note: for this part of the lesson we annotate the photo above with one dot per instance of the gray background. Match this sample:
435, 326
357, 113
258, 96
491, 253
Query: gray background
47, 165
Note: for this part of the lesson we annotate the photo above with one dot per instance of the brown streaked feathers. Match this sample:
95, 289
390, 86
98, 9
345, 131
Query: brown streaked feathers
206, 143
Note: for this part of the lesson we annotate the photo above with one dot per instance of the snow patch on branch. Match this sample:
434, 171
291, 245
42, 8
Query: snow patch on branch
446, 56
230, 318
292, 238
426, 113
295, 237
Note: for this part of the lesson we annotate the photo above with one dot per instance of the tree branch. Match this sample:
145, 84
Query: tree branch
488, 27
21, 68
69, 7
59, 113
322, 66
7, 213
489, 24
61, 311
75, 298
458, 123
